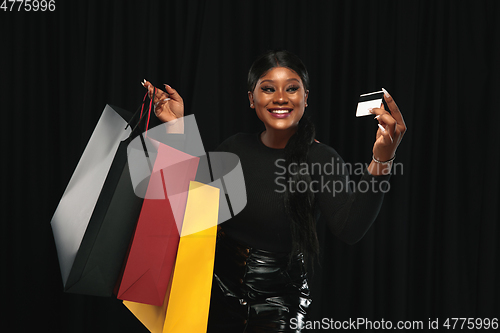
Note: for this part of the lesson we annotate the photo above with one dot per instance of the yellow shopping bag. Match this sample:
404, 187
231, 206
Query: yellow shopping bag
187, 301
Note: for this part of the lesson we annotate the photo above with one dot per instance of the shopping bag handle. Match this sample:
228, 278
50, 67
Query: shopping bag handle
141, 108
149, 112
137, 111
142, 116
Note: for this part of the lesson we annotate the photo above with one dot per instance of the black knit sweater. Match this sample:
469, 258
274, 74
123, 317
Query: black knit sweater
349, 209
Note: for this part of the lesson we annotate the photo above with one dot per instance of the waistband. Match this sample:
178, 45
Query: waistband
271, 287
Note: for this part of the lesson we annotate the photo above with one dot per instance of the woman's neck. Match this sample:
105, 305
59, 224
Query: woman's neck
276, 139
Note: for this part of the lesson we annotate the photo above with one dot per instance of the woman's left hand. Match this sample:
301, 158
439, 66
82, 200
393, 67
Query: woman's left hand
392, 127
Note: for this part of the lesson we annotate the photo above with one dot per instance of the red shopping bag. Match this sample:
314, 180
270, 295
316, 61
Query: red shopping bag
154, 246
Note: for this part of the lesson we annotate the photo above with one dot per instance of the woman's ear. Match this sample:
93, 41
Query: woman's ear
250, 99
305, 98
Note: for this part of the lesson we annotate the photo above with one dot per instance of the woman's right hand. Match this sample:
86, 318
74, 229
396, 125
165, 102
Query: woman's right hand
168, 104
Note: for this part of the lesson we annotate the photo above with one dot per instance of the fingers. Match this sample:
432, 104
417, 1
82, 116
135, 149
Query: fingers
389, 121
159, 95
150, 88
386, 123
379, 111
386, 132
382, 116
391, 128
396, 113
161, 101
146, 84
173, 93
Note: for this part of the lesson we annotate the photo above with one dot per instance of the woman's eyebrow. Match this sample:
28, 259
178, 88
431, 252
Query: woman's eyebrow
261, 82
272, 81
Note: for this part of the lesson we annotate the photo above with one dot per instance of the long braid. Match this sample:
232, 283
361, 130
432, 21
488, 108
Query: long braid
299, 202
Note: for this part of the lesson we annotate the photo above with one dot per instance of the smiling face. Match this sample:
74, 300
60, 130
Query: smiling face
279, 99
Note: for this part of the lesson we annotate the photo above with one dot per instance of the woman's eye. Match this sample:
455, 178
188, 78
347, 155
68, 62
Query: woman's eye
289, 89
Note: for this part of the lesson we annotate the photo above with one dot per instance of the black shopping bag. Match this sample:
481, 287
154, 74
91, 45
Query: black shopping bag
97, 214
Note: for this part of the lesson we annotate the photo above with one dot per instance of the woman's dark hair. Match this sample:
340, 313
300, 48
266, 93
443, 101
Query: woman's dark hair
299, 205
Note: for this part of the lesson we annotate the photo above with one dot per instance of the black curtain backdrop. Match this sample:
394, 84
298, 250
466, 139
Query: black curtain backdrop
434, 250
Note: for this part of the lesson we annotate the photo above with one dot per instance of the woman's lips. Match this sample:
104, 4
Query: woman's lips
280, 113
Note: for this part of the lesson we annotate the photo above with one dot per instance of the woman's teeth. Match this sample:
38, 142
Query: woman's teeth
280, 111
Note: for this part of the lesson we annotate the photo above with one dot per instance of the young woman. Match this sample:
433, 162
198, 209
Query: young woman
260, 273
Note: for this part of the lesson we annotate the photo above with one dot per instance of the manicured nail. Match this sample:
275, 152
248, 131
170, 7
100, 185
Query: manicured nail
142, 83
381, 127
376, 117
370, 110
386, 93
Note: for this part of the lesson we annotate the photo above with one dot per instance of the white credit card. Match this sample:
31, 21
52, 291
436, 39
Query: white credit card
369, 101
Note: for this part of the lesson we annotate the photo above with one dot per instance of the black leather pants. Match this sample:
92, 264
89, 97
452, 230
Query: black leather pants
256, 291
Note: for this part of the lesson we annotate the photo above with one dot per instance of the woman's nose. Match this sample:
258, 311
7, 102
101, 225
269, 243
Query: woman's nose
280, 97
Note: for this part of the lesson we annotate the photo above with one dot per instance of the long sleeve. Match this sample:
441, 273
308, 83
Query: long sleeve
349, 208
